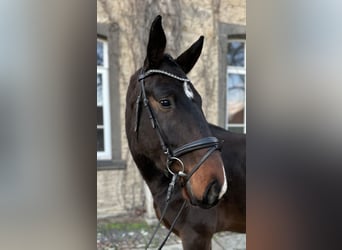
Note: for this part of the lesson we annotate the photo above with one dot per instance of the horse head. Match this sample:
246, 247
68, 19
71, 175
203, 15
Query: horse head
164, 117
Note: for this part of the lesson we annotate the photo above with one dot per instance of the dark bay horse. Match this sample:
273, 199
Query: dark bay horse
168, 134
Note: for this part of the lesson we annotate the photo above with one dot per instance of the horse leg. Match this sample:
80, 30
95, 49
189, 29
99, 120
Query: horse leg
196, 241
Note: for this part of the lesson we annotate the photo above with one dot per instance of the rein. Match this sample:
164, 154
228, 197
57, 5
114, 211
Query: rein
172, 155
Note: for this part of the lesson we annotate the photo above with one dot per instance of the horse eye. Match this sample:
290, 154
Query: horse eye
165, 103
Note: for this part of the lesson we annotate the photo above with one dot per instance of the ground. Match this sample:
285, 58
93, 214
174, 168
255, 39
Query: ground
134, 233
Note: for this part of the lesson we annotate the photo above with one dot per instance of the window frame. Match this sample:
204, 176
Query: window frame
238, 70
110, 32
226, 31
104, 71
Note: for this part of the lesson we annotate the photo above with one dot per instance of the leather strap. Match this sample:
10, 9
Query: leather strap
206, 142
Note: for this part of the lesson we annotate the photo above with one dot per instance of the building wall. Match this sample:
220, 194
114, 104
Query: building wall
121, 191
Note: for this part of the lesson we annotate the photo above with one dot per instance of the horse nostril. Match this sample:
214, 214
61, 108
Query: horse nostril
212, 194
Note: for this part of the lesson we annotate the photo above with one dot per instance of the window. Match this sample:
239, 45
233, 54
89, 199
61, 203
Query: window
236, 86
104, 151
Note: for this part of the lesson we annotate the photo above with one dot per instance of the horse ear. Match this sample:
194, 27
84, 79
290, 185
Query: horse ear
189, 57
156, 44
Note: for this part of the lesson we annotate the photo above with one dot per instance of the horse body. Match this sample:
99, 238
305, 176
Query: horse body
210, 208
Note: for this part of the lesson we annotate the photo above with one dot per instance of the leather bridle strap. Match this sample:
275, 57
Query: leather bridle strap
168, 197
204, 158
195, 145
172, 225
208, 142
154, 121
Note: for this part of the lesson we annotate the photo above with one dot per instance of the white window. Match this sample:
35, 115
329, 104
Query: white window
236, 86
104, 149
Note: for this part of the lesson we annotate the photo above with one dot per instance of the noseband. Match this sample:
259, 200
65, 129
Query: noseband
172, 154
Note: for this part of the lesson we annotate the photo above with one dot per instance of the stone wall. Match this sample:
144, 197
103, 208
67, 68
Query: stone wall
121, 191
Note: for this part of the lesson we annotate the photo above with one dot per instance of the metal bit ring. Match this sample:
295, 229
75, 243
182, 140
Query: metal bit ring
169, 162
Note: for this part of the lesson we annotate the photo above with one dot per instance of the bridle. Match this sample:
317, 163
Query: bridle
172, 154
212, 143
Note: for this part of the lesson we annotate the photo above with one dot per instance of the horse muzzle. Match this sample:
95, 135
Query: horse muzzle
205, 178
210, 198
208, 185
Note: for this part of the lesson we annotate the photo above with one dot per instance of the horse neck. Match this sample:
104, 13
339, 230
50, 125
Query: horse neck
154, 177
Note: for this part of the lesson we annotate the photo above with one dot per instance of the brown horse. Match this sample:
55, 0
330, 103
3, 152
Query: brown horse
169, 135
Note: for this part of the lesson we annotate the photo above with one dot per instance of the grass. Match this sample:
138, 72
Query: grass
123, 226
